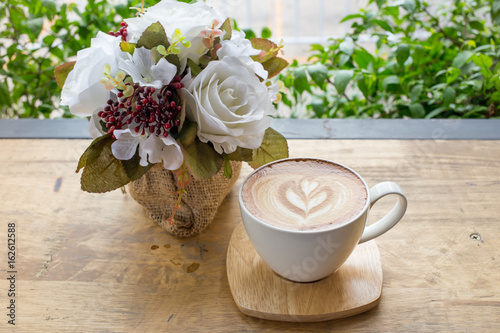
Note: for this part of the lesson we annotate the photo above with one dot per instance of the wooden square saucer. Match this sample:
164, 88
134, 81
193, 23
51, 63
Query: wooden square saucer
259, 292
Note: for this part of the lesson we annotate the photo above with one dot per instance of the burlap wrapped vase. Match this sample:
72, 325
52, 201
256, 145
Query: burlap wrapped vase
155, 191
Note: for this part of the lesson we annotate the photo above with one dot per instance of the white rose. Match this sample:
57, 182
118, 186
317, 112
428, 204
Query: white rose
82, 91
230, 105
190, 19
241, 48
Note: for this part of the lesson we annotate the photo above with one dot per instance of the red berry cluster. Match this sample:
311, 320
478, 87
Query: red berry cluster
146, 110
122, 32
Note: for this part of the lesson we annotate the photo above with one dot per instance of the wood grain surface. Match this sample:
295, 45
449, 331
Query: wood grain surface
95, 263
356, 287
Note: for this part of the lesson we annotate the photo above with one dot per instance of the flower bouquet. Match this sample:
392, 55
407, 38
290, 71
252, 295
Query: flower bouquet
177, 99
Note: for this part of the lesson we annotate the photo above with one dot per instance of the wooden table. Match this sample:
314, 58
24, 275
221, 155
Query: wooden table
95, 263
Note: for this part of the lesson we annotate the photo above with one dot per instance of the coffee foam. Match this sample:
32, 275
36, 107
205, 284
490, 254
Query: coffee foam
304, 194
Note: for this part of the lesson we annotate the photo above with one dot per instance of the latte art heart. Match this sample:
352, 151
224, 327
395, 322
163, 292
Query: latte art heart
304, 196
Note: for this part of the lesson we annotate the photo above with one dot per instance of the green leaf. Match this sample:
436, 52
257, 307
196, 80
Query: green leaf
363, 87
83, 159
436, 112
318, 106
266, 45
448, 95
202, 160
342, 78
352, 16
495, 11
415, 92
318, 72
300, 81
344, 58
249, 34
50, 8
103, 126
441, 72
102, 171
409, 5
4, 95
35, 26
262, 44
461, 59
482, 60
235, 26
486, 73
35, 8
61, 72
93, 151
273, 147
380, 3
153, 36
188, 133
274, 65
418, 53
266, 32
476, 111
122, 10
495, 7
362, 57
347, 46
452, 74
195, 69
241, 154
483, 48
417, 110
497, 84
228, 30
174, 60
436, 49
133, 168
384, 25
402, 54
58, 53
476, 25
48, 40
392, 10
17, 17
228, 171
390, 80
317, 47
495, 96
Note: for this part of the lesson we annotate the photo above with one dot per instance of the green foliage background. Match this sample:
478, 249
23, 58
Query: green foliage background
38, 35
425, 65
450, 70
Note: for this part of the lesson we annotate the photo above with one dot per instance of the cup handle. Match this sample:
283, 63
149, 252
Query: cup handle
387, 222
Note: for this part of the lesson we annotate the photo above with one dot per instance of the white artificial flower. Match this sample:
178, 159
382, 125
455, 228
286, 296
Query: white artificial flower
95, 128
237, 46
151, 148
144, 71
230, 105
83, 91
241, 48
190, 18
273, 90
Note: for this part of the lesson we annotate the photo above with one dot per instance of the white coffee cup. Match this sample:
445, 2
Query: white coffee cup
311, 255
